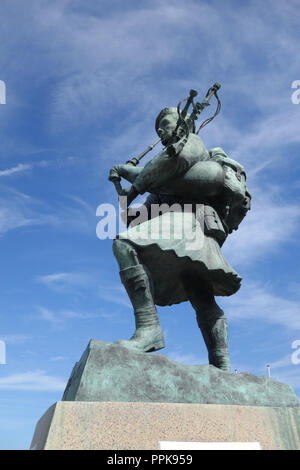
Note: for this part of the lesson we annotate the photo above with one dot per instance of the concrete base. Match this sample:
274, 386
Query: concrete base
143, 426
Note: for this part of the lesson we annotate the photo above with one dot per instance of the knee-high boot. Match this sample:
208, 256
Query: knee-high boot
213, 325
148, 335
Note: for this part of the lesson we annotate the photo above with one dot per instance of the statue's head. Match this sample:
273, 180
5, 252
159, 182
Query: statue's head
166, 122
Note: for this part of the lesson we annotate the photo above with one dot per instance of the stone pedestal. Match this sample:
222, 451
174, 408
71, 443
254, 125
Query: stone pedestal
142, 426
119, 398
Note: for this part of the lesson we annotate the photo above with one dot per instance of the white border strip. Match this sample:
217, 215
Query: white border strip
175, 445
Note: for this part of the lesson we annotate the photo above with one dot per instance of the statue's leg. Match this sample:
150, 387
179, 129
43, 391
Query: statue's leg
211, 321
148, 335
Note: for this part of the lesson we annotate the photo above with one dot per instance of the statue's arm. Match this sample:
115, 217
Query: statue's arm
128, 172
157, 171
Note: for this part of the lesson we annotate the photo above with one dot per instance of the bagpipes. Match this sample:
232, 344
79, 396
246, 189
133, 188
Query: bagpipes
181, 131
187, 123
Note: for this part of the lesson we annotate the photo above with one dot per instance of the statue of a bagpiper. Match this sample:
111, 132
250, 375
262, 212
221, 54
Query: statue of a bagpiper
160, 270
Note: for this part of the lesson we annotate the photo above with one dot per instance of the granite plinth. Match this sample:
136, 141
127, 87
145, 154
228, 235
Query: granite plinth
143, 426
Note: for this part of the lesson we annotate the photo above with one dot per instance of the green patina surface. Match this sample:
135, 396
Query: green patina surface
158, 267
113, 372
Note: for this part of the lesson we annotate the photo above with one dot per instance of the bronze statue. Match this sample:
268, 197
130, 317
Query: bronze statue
164, 271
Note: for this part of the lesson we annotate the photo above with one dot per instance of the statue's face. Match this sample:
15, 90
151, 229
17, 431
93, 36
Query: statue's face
166, 127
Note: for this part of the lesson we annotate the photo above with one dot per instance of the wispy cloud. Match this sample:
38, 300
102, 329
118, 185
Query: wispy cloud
37, 381
16, 169
115, 293
87, 207
60, 317
15, 339
67, 282
79, 315
188, 359
24, 167
269, 224
49, 316
281, 363
53, 278
18, 210
63, 281
255, 301
58, 358
75, 215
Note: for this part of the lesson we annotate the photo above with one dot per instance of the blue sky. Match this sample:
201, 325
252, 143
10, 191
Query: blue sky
84, 82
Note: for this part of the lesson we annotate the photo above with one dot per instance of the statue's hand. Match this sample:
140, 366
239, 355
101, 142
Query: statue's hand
114, 174
127, 195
